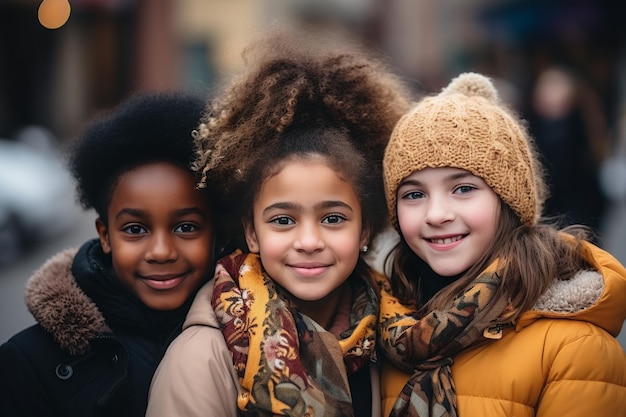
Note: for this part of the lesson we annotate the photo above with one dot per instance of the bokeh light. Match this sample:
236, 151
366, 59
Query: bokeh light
53, 14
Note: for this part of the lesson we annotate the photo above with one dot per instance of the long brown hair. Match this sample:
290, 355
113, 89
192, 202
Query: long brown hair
530, 258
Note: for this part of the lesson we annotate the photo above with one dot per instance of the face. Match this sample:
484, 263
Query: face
159, 234
448, 217
307, 228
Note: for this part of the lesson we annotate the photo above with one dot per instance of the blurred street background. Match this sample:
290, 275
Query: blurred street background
559, 63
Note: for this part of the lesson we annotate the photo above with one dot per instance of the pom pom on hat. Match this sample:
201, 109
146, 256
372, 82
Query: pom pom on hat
471, 84
467, 127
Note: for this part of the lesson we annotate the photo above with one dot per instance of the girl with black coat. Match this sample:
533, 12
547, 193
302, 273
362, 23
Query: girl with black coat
107, 311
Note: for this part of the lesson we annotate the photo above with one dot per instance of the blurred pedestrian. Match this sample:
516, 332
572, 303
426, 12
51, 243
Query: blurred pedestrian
566, 121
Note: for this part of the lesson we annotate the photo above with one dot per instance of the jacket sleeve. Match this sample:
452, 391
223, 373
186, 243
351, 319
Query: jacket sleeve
195, 378
587, 377
22, 392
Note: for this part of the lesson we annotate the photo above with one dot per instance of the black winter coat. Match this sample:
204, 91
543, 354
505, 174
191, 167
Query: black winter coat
94, 348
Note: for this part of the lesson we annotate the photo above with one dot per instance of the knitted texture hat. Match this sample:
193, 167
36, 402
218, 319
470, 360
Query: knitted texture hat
466, 127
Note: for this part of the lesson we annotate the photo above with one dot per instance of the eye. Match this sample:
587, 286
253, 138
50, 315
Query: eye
186, 228
282, 221
413, 195
333, 219
134, 229
463, 189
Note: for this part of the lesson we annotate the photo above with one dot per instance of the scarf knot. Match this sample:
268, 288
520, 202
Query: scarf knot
424, 343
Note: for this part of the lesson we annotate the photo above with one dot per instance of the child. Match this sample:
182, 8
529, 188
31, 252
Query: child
494, 312
289, 327
106, 313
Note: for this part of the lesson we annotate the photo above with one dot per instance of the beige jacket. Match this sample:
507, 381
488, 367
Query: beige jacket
196, 376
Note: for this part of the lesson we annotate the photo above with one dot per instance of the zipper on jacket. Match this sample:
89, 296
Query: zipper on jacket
106, 397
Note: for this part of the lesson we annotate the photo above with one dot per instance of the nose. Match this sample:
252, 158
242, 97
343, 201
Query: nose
439, 210
309, 238
162, 248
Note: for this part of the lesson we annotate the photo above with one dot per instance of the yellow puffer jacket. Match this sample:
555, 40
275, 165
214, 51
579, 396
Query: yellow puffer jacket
561, 358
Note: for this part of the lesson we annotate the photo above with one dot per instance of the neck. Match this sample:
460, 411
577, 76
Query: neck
324, 310
431, 282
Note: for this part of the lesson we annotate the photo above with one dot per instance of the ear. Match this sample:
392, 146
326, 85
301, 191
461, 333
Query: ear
103, 233
251, 239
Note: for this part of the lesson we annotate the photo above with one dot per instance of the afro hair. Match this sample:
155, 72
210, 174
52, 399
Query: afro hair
146, 128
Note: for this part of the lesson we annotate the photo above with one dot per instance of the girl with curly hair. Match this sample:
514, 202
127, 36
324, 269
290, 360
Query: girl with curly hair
288, 325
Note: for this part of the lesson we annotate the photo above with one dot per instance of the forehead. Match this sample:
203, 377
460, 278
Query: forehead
307, 182
157, 183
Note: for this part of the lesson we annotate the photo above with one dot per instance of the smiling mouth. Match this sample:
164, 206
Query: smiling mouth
446, 240
163, 282
310, 270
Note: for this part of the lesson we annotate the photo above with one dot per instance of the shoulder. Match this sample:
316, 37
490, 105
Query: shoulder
201, 347
201, 313
581, 360
199, 341
196, 376
570, 350
32, 344
577, 338
33, 363
542, 367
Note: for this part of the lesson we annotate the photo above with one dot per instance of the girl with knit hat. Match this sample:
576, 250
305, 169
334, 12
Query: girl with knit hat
288, 325
490, 310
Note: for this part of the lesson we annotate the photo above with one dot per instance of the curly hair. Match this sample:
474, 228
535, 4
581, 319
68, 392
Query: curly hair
301, 95
150, 127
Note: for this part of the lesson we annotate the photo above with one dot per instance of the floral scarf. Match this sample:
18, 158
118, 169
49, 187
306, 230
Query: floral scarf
424, 344
288, 365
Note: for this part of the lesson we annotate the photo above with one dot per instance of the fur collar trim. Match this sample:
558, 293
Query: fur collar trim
576, 294
61, 307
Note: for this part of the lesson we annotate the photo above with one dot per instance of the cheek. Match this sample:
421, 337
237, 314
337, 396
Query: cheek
347, 246
273, 245
123, 254
486, 216
408, 221
124, 265
200, 252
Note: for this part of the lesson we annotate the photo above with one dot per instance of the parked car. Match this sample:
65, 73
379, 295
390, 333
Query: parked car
36, 192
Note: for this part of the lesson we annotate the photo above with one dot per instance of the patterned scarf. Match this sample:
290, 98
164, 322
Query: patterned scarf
424, 344
288, 365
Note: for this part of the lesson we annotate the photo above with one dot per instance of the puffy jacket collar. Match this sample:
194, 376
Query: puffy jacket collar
61, 307
595, 296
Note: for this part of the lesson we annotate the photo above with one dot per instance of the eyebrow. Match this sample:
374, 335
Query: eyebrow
293, 206
178, 213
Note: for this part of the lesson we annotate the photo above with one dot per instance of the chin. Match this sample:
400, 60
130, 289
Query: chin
162, 306
446, 272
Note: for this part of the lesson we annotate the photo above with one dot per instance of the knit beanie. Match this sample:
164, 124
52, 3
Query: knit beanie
467, 127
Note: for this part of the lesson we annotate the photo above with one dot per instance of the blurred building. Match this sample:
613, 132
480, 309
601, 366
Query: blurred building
111, 48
